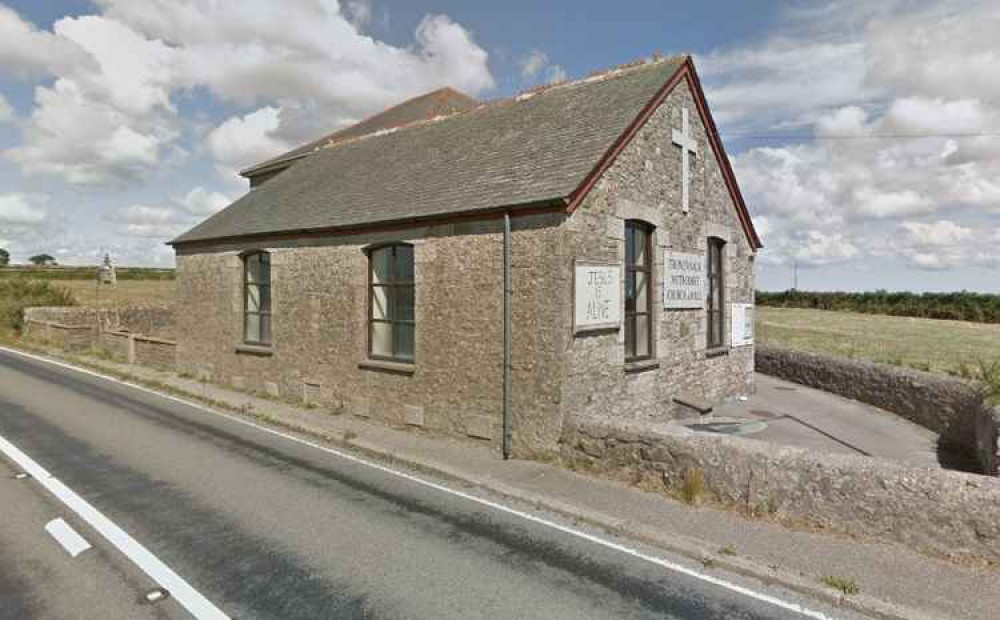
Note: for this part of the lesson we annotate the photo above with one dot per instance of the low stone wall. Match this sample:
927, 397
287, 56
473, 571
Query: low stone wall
938, 512
89, 328
156, 353
68, 337
157, 321
988, 441
951, 407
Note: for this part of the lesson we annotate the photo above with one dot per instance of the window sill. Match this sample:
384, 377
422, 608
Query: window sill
255, 349
641, 366
401, 368
716, 352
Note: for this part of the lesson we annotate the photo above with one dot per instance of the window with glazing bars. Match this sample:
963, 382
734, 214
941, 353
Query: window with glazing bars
716, 293
257, 298
638, 298
391, 317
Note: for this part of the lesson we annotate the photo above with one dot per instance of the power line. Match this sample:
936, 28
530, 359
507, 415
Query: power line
885, 136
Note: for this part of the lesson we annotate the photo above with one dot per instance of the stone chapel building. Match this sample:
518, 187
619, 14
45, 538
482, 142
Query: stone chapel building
488, 270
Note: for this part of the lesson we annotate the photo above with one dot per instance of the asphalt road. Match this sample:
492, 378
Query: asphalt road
264, 527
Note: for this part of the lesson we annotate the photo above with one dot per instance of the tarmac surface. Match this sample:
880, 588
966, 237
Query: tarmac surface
261, 526
790, 414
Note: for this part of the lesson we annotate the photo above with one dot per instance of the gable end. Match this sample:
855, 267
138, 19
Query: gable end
686, 72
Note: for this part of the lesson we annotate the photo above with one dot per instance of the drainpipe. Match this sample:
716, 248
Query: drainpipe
507, 298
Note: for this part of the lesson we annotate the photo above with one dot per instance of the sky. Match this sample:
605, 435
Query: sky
865, 135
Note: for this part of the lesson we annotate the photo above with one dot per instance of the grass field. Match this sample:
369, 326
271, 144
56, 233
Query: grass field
124, 293
954, 347
88, 273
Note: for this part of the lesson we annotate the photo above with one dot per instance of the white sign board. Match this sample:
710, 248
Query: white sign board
683, 280
597, 296
742, 324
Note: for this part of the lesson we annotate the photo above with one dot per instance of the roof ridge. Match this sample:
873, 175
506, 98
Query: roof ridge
593, 76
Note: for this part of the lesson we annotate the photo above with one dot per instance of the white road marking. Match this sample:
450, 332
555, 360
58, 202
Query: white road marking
664, 563
73, 543
189, 598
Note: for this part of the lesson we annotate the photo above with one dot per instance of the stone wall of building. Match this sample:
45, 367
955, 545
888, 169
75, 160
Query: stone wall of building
951, 407
645, 183
938, 512
319, 325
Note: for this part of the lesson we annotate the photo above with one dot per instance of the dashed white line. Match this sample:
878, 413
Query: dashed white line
73, 543
658, 561
189, 598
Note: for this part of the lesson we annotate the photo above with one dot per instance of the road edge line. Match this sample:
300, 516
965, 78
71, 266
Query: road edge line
189, 598
663, 563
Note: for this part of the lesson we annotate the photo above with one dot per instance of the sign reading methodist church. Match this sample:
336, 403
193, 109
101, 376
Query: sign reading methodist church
683, 280
597, 296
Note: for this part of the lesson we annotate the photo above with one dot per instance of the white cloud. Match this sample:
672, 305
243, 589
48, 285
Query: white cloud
202, 202
27, 52
168, 221
936, 246
21, 209
889, 106
943, 233
359, 12
882, 204
6, 111
25, 222
537, 63
242, 141
533, 63
152, 222
87, 141
307, 58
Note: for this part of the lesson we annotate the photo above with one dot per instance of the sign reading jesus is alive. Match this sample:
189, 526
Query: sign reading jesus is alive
597, 289
683, 280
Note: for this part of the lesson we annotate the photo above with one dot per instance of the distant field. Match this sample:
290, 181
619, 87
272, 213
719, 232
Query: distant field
84, 273
125, 292
925, 344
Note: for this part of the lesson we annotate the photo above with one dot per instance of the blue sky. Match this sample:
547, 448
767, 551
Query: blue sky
122, 122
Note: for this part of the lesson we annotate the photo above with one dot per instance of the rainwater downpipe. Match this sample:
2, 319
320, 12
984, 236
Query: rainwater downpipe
507, 299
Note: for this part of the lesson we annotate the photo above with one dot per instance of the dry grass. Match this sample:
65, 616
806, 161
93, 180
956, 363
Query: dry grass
124, 293
954, 347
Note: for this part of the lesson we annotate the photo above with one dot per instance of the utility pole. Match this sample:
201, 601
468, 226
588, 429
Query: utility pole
795, 277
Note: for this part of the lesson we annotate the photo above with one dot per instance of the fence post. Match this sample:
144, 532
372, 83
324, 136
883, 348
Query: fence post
131, 348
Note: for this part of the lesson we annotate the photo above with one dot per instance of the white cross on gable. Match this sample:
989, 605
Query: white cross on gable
688, 145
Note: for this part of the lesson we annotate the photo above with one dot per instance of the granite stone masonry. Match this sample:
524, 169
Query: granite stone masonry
936, 512
155, 321
951, 407
319, 300
126, 332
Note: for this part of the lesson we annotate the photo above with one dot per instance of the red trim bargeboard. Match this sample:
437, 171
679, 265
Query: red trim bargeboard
685, 72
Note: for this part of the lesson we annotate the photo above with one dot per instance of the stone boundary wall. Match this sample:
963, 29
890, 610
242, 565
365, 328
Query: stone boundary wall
951, 407
156, 353
988, 441
77, 329
68, 337
937, 512
157, 321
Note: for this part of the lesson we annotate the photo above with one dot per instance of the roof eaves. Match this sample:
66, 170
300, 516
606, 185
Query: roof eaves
557, 203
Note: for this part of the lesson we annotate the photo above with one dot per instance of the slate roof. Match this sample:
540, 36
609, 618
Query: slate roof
528, 150
441, 102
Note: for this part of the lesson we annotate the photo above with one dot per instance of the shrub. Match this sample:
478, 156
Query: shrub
19, 293
960, 306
